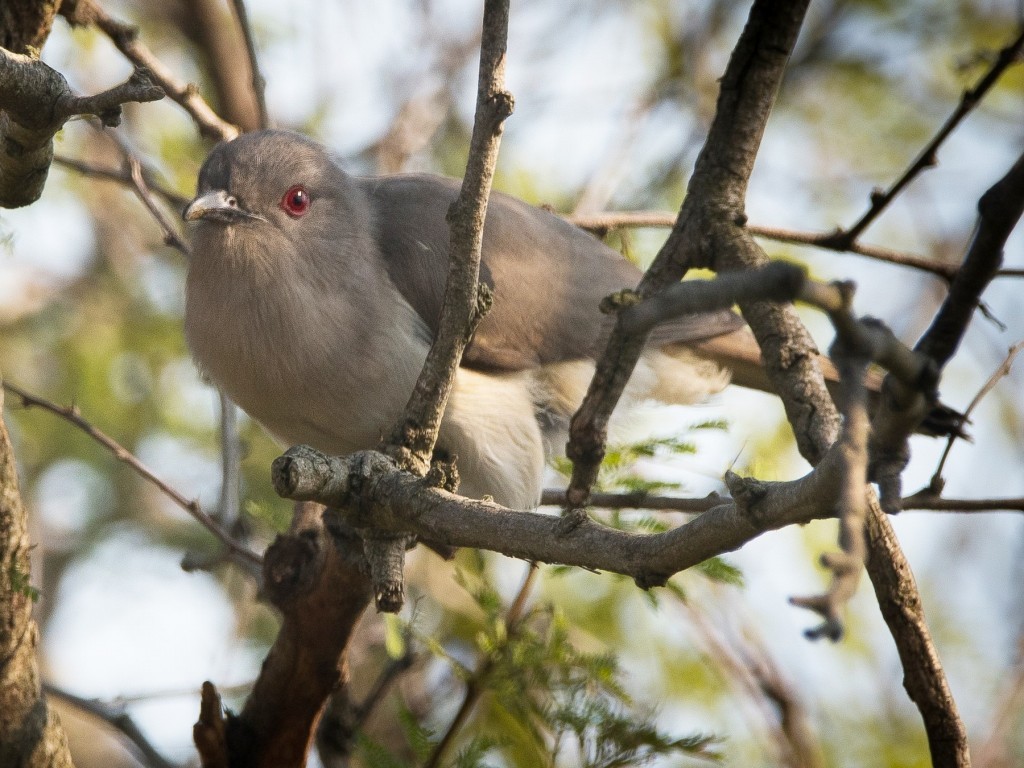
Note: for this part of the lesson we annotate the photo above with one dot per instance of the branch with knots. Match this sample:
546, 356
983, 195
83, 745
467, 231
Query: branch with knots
35, 102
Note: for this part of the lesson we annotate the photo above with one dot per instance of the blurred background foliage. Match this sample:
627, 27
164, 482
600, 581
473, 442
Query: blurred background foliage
613, 99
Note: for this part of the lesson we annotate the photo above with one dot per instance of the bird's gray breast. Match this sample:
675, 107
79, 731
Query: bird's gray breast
316, 360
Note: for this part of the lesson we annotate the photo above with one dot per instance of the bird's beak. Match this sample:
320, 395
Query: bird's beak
216, 205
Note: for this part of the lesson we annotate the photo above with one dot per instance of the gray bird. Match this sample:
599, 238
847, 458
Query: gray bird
313, 296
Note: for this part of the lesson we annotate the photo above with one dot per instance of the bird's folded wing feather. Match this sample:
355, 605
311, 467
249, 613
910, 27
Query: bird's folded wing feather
547, 275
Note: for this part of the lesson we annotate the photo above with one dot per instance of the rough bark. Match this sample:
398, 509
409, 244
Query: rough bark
30, 733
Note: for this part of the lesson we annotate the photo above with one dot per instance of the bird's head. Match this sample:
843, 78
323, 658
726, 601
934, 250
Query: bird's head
271, 187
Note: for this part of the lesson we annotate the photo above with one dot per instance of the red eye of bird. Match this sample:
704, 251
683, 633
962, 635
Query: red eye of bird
295, 201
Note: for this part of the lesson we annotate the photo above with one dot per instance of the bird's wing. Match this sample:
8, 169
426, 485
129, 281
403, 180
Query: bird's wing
547, 275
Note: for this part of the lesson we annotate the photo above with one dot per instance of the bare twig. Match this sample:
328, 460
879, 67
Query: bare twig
609, 220
852, 351
145, 194
463, 307
122, 176
927, 157
902, 407
1000, 372
259, 83
924, 500
126, 38
241, 554
116, 715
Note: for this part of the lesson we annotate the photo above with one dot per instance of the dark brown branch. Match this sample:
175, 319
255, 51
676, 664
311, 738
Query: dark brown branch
35, 102
902, 407
715, 194
241, 554
999, 210
923, 676
116, 715
928, 156
343, 719
126, 38
609, 220
317, 578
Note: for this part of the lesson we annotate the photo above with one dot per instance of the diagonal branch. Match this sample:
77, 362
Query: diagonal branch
241, 554
116, 715
713, 204
126, 38
927, 158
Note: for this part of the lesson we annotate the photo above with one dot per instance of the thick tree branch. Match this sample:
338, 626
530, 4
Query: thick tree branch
713, 204
30, 733
316, 577
397, 502
35, 102
923, 676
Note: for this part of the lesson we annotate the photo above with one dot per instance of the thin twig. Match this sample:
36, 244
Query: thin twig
116, 715
145, 194
259, 83
927, 158
924, 500
608, 220
475, 684
1003, 370
71, 414
122, 176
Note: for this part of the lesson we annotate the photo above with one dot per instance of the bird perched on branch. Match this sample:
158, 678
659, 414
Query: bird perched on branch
313, 297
